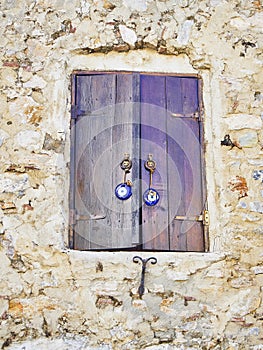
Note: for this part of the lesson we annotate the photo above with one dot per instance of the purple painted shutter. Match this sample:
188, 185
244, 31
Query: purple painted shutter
170, 132
155, 235
184, 164
103, 133
141, 115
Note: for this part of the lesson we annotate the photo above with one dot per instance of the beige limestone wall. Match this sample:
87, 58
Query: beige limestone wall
53, 298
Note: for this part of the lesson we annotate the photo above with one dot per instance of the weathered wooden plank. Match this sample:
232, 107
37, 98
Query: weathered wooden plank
176, 182
125, 214
153, 141
95, 95
136, 155
193, 181
189, 94
182, 95
184, 167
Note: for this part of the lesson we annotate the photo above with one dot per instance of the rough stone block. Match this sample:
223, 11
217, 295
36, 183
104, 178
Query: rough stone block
244, 301
8, 76
184, 32
258, 270
128, 35
35, 83
249, 139
139, 304
256, 207
13, 183
29, 139
243, 121
138, 5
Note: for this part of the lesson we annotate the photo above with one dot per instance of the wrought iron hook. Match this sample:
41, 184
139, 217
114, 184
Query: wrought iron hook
136, 259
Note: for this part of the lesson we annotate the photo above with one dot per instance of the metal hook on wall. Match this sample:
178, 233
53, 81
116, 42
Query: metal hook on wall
136, 259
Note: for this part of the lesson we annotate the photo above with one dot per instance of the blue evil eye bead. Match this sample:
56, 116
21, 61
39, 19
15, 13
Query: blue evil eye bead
123, 191
151, 197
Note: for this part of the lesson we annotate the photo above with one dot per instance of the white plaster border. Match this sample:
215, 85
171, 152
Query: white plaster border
147, 60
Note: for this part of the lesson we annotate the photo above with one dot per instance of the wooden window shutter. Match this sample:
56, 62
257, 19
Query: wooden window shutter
104, 128
170, 131
186, 197
140, 114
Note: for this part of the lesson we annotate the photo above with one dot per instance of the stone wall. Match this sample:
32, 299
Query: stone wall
54, 298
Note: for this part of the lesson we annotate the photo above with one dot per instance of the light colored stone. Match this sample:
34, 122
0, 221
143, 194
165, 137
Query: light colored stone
248, 139
184, 32
241, 282
108, 288
3, 307
8, 76
128, 35
139, 304
177, 276
38, 97
36, 49
184, 3
215, 273
20, 107
240, 23
29, 139
3, 136
215, 2
13, 183
244, 302
256, 162
158, 288
85, 7
243, 121
250, 218
163, 347
138, 5
53, 344
256, 207
35, 82
25, 75
258, 270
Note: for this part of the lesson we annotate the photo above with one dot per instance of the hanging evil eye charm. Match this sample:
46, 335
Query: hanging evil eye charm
151, 197
123, 191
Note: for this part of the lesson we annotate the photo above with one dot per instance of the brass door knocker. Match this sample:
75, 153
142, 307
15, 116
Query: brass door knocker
123, 191
151, 196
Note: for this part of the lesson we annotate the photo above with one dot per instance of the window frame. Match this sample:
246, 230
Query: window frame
74, 74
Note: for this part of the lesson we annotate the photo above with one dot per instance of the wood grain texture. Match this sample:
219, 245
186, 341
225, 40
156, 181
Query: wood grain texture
154, 141
184, 166
95, 96
138, 114
103, 134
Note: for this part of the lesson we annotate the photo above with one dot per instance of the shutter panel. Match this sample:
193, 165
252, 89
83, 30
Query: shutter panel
184, 164
103, 134
154, 141
125, 214
137, 114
